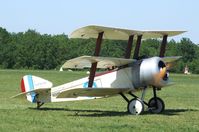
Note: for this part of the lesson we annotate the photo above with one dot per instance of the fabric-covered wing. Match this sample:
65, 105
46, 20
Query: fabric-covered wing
103, 62
92, 92
117, 33
37, 91
171, 59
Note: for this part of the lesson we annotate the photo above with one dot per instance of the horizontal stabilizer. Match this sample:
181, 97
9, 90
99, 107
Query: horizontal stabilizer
91, 92
118, 34
102, 62
36, 91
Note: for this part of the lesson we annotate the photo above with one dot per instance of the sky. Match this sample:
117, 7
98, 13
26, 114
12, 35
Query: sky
64, 16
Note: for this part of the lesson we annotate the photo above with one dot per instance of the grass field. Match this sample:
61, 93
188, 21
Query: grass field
181, 114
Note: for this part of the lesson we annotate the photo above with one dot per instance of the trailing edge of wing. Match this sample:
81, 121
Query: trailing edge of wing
118, 34
92, 92
102, 62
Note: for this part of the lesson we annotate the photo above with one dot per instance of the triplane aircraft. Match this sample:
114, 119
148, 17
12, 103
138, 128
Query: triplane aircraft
127, 76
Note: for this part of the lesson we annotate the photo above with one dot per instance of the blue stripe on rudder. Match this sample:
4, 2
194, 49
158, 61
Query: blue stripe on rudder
31, 86
30, 82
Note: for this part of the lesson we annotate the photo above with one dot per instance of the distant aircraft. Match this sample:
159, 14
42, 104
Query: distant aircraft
126, 77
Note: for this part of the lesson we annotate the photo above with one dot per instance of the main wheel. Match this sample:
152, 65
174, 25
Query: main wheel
135, 106
156, 108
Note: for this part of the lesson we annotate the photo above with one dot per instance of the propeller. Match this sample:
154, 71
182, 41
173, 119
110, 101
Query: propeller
161, 75
166, 64
163, 72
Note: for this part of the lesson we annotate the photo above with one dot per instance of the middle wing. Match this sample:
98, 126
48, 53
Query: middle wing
92, 92
171, 59
103, 62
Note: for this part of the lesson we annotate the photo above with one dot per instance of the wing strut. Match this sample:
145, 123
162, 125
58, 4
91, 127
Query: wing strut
163, 46
129, 47
137, 48
162, 52
94, 65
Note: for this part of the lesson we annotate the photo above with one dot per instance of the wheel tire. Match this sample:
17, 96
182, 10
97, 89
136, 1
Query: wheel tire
135, 106
152, 106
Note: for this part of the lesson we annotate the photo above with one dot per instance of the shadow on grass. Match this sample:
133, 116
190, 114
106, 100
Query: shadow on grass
88, 113
170, 112
176, 111
104, 113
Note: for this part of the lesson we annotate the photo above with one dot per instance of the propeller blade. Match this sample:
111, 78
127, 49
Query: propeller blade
163, 72
159, 76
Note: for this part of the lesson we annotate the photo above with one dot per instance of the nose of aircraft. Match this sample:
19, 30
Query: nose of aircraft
162, 75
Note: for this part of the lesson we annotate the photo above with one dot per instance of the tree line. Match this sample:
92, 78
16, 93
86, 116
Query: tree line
32, 50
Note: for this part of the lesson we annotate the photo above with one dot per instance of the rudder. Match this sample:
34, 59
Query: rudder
31, 83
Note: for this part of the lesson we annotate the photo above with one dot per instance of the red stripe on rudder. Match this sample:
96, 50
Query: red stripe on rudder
22, 86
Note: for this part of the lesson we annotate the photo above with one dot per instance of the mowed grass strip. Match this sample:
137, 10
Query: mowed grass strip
108, 114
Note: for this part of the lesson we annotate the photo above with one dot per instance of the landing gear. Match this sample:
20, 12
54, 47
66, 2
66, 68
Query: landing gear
135, 106
156, 105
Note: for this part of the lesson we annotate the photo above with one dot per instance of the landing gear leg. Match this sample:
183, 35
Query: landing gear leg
143, 93
156, 105
136, 105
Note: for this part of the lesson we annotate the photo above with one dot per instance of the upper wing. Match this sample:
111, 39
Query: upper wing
91, 92
118, 34
103, 62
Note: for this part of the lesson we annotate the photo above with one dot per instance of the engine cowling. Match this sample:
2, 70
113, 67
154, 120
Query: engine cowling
151, 71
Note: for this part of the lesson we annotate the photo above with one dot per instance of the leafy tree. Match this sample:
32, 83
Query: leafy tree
32, 50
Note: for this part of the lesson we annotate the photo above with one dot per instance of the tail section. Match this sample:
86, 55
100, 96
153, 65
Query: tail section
29, 83
36, 88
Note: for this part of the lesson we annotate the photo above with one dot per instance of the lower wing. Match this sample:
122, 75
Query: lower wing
92, 92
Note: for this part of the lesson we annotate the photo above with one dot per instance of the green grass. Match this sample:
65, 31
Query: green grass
109, 114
